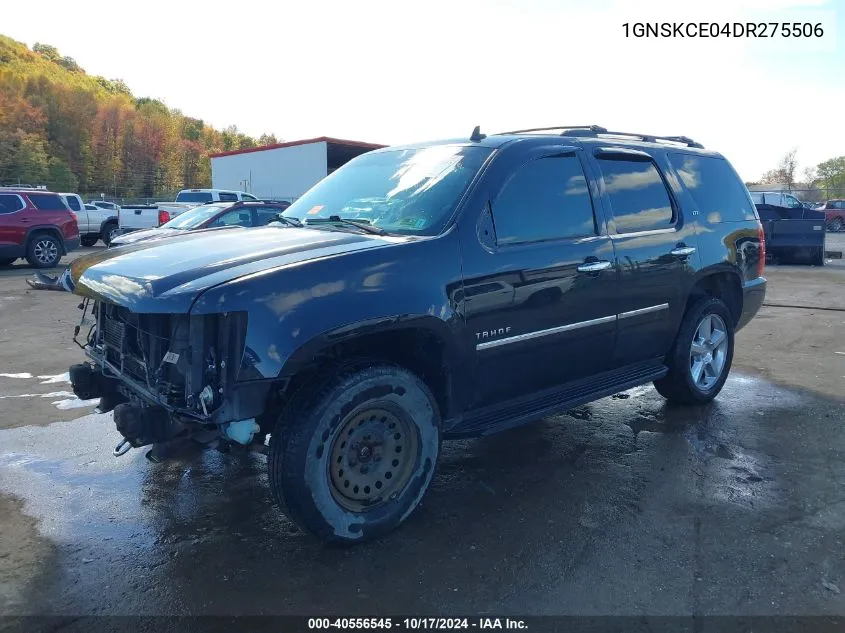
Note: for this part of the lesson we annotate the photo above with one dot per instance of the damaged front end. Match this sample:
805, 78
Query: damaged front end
171, 379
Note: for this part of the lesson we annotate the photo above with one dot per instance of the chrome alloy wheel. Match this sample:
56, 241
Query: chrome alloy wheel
46, 252
708, 352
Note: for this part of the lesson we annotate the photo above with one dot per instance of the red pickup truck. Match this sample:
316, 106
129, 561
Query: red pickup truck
35, 224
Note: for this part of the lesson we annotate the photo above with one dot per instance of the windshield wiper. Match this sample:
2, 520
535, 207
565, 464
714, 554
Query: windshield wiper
288, 221
358, 224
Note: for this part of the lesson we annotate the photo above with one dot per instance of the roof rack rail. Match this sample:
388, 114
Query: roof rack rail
596, 131
648, 138
554, 127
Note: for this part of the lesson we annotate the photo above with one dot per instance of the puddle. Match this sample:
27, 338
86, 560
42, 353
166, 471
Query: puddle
49, 380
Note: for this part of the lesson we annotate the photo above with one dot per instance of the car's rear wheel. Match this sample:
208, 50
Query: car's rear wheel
701, 356
109, 232
353, 458
836, 224
89, 240
6, 261
43, 251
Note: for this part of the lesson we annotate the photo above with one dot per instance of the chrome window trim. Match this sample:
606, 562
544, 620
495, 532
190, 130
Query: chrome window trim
19, 197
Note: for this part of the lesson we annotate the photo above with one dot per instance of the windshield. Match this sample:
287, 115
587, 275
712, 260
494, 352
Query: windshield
412, 191
194, 196
192, 218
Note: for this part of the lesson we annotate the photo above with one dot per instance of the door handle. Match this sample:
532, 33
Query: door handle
683, 251
594, 267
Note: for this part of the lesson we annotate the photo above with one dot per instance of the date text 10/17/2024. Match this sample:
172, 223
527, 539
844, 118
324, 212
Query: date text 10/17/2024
417, 623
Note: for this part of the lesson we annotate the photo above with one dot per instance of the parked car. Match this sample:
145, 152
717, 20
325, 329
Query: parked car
35, 224
214, 215
777, 199
95, 223
212, 195
351, 339
834, 214
148, 216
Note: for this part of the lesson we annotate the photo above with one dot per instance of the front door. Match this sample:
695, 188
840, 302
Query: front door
539, 277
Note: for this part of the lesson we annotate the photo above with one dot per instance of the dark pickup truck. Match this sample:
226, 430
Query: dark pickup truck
794, 234
421, 293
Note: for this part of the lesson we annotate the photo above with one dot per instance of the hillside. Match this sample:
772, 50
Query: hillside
72, 131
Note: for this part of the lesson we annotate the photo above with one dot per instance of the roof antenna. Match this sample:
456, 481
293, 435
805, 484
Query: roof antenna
477, 135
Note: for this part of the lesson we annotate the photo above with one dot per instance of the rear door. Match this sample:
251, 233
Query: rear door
538, 278
12, 224
655, 252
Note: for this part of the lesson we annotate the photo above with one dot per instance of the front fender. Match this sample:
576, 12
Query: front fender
296, 311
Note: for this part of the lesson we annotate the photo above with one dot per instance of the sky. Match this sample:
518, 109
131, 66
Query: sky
399, 71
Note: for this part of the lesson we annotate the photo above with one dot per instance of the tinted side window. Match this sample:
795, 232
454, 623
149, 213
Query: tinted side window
638, 195
247, 196
266, 214
47, 201
715, 188
225, 196
10, 203
240, 217
73, 203
546, 199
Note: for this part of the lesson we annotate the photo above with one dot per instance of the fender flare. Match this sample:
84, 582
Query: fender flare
45, 228
111, 218
301, 355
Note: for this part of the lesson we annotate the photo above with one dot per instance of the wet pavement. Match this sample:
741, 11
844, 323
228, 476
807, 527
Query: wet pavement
624, 506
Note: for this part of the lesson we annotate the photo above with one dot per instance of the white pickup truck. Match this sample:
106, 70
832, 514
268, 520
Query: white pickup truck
95, 223
148, 216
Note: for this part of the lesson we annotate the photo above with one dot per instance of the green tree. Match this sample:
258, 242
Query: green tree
46, 51
831, 174
60, 177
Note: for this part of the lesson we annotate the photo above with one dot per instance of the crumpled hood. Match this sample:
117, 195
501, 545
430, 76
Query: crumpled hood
167, 275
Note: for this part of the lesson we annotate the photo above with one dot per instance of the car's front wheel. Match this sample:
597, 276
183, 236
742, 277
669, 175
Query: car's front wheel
702, 354
353, 458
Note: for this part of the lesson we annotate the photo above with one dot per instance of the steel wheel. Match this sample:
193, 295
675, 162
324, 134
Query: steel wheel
45, 251
372, 457
708, 352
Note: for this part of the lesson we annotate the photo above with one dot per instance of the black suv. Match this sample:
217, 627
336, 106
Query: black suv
423, 293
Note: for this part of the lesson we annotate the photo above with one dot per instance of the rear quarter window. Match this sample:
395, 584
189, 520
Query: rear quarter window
715, 188
47, 202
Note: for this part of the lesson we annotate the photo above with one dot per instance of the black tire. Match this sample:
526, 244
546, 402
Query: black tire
43, 251
7, 261
312, 431
678, 386
89, 240
836, 225
107, 233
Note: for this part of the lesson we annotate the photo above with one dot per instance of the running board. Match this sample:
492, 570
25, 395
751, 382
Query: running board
525, 409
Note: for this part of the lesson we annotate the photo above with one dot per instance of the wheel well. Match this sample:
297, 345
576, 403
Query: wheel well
49, 231
724, 286
416, 349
